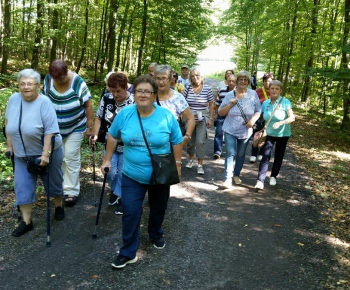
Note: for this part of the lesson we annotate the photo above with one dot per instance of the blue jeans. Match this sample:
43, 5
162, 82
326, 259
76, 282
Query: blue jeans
133, 195
219, 135
234, 148
114, 177
281, 144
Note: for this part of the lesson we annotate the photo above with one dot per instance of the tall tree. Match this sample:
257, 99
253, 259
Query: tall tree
7, 34
83, 48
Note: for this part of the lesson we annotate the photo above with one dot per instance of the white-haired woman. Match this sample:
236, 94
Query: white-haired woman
199, 97
173, 100
31, 122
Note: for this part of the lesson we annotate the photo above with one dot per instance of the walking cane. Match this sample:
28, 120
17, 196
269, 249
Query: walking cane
106, 169
48, 225
93, 147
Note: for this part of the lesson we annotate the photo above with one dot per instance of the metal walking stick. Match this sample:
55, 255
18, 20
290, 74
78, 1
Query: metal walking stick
106, 169
93, 148
48, 225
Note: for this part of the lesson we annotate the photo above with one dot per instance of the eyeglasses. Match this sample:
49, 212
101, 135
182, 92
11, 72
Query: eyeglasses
243, 80
174, 76
161, 79
141, 92
23, 85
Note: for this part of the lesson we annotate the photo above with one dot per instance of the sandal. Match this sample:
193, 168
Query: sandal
70, 200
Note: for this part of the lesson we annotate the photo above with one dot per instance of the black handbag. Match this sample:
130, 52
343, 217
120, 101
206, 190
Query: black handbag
34, 168
164, 165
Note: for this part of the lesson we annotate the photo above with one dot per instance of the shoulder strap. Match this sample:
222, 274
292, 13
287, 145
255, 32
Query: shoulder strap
273, 112
241, 109
19, 129
264, 92
143, 133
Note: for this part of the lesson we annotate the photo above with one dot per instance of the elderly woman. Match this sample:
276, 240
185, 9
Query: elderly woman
242, 108
174, 84
137, 168
278, 132
31, 123
223, 84
110, 105
173, 100
72, 101
263, 94
199, 97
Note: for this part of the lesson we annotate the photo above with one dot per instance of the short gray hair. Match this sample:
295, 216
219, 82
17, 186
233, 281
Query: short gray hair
163, 69
243, 74
276, 83
29, 73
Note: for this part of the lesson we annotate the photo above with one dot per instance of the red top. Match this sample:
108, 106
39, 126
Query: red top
262, 96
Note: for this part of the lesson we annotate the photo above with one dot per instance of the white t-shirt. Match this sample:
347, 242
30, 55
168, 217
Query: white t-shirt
183, 81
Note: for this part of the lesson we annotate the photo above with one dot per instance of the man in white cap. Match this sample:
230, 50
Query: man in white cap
184, 79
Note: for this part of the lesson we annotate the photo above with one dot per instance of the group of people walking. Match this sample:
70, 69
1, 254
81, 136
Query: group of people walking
161, 112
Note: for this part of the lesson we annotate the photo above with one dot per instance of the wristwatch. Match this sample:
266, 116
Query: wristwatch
189, 137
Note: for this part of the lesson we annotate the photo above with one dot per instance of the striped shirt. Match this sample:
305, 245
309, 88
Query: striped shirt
69, 105
198, 102
221, 95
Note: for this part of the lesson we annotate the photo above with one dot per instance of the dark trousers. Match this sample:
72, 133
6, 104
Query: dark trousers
281, 144
219, 135
133, 196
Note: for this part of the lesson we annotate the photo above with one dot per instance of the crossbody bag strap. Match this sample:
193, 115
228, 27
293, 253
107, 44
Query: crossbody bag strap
143, 133
19, 129
144, 136
273, 112
241, 109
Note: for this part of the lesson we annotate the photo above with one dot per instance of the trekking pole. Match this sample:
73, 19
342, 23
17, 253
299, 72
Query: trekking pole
48, 225
106, 169
93, 147
8, 155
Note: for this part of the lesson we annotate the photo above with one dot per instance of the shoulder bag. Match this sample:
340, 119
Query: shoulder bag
241, 109
260, 136
164, 165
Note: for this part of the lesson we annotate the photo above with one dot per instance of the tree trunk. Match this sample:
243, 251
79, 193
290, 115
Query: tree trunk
121, 35
101, 34
7, 34
104, 41
53, 50
143, 37
344, 66
83, 49
310, 62
38, 35
111, 33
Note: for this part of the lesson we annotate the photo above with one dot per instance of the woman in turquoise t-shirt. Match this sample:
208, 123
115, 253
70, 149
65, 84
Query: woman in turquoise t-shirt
278, 131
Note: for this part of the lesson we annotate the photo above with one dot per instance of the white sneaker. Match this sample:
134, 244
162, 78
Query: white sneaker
252, 159
237, 180
200, 169
273, 181
189, 164
227, 183
259, 185
259, 157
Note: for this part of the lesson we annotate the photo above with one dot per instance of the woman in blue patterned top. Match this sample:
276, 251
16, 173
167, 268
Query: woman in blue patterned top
110, 105
278, 132
242, 108
199, 97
